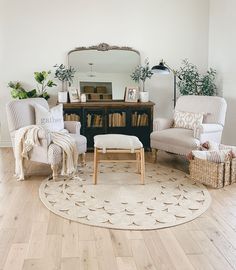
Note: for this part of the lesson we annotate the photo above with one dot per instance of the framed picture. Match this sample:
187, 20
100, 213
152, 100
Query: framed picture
74, 95
131, 94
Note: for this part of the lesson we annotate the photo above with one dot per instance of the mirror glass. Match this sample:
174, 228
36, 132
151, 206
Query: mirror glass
103, 73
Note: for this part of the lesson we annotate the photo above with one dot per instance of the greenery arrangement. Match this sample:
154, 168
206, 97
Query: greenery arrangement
141, 73
191, 82
17, 91
43, 82
42, 78
64, 74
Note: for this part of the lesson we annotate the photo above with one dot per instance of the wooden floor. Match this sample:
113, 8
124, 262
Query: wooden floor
33, 238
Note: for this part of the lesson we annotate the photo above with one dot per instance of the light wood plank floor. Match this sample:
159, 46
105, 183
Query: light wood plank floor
33, 238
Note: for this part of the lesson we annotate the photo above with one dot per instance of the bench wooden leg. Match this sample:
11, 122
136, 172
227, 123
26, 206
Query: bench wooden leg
138, 161
142, 165
95, 164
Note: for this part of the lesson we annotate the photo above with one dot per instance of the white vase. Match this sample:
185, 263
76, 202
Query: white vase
144, 96
83, 97
62, 97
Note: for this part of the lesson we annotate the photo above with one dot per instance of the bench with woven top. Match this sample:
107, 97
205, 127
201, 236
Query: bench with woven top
118, 143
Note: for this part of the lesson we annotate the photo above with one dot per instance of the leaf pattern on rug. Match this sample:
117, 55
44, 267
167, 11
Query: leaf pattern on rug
168, 198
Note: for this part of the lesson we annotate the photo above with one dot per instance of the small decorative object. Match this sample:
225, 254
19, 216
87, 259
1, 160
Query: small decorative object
43, 82
131, 94
83, 97
141, 73
65, 75
191, 82
73, 94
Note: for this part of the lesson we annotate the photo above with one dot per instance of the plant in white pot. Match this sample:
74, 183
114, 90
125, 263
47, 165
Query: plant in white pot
65, 75
141, 73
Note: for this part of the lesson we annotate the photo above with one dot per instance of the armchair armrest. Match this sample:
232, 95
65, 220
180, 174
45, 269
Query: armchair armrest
206, 129
73, 126
43, 135
162, 123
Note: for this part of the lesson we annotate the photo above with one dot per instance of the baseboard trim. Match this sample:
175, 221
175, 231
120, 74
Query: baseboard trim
5, 144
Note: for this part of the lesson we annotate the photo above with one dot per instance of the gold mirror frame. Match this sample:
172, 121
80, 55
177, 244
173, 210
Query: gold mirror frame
103, 47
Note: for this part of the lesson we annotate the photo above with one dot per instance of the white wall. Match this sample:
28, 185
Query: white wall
38, 34
222, 56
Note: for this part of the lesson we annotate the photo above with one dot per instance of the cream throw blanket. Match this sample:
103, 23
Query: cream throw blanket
28, 137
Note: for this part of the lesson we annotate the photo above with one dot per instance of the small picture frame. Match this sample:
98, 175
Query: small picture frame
131, 94
74, 95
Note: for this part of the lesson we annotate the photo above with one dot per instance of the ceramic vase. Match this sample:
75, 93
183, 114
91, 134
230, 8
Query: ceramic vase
144, 96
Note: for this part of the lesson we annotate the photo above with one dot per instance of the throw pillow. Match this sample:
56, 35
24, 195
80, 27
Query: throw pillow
50, 119
188, 120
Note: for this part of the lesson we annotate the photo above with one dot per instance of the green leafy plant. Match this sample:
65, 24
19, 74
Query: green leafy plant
141, 73
191, 82
43, 82
64, 74
17, 91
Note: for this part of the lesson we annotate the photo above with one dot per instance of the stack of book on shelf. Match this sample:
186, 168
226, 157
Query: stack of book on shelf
117, 119
94, 120
139, 119
71, 117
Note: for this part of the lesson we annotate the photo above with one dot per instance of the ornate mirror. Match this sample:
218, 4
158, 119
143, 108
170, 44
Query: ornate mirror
103, 71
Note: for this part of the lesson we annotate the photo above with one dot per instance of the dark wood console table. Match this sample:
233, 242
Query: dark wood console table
117, 117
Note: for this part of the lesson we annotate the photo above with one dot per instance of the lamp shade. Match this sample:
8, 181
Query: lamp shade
160, 68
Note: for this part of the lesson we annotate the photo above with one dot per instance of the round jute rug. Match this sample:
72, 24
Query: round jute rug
168, 198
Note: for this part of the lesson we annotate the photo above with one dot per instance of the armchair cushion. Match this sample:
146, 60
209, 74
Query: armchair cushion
174, 140
162, 123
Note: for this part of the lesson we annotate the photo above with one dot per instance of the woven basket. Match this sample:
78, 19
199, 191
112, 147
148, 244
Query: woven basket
216, 175
233, 171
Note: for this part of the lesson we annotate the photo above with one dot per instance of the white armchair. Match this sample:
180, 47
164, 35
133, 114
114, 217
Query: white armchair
182, 141
21, 113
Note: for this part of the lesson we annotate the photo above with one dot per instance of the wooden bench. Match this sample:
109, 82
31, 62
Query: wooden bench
118, 143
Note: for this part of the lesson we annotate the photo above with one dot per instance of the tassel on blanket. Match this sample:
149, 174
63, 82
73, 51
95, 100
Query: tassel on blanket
70, 153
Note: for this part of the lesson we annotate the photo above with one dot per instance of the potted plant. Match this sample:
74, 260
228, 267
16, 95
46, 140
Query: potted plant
141, 73
18, 92
43, 82
65, 75
191, 82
